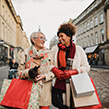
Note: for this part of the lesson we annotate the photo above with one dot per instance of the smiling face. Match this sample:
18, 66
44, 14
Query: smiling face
64, 39
39, 41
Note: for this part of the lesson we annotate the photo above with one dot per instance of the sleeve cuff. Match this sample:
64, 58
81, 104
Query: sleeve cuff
51, 66
49, 77
79, 71
25, 73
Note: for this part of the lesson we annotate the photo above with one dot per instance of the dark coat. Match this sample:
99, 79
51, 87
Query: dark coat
13, 65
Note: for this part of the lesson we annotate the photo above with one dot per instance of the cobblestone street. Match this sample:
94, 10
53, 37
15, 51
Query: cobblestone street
101, 80
100, 77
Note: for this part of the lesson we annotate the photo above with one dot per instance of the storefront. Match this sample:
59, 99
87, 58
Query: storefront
104, 53
3, 54
92, 54
11, 52
6, 52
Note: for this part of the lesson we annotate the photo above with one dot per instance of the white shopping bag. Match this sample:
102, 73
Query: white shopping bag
82, 85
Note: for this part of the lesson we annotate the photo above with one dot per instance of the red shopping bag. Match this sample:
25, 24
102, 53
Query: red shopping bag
18, 94
95, 106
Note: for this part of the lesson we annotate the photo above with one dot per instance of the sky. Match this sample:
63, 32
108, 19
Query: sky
47, 14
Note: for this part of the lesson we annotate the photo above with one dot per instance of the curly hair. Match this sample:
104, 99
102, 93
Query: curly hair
68, 28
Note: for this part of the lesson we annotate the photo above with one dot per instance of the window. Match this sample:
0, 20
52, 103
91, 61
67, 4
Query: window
85, 41
5, 33
78, 31
81, 30
96, 21
14, 41
102, 36
88, 26
2, 30
84, 27
88, 38
95, 5
87, 11
79, 42
101, 18
92, 39
96, 37
91, 22
6, 16
9, 36
90, 8
100, 0
82, 43
3, 10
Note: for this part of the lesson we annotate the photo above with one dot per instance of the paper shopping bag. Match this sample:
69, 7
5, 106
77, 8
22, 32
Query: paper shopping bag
88, 102
82, 85
18, 94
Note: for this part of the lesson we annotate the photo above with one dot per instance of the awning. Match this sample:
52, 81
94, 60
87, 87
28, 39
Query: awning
6, 45
91, 49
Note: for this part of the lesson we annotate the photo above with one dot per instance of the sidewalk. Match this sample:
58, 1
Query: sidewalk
4, 66
100, 66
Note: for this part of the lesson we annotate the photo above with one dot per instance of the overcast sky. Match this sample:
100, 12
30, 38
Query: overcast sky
48, 14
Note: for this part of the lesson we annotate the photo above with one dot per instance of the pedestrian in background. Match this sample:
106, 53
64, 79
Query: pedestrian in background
69, 59
37, 55
13, 68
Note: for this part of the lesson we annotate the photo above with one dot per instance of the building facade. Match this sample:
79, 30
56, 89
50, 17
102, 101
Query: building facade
53, 42
11, 31
93, 31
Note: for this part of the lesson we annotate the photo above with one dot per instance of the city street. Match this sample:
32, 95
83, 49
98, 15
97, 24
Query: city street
101, 79
29, 32
3, 74
99, 76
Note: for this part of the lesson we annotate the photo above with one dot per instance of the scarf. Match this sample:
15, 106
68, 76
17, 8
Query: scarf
65, 52
37, 87
33, 53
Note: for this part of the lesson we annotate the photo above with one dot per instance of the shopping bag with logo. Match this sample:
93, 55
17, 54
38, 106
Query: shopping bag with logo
17, 94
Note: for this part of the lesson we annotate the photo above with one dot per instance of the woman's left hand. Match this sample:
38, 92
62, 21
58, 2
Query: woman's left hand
39, 77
